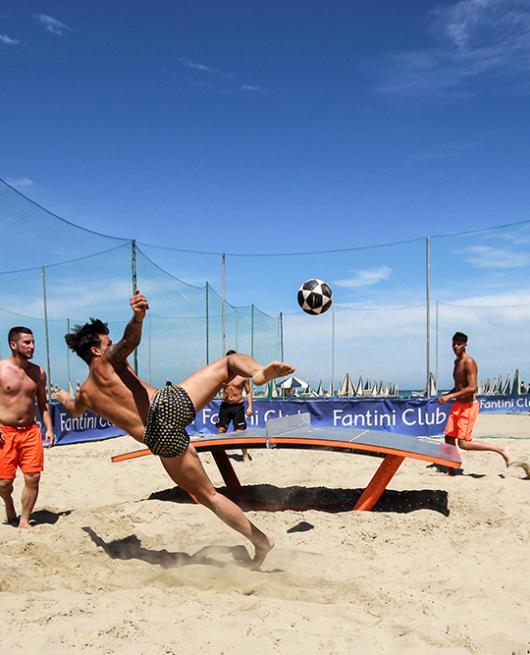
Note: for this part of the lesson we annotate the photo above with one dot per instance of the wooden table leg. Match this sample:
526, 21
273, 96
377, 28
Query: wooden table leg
379, 482
227, 471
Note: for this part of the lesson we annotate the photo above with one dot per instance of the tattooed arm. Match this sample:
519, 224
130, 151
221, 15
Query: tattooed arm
118, 352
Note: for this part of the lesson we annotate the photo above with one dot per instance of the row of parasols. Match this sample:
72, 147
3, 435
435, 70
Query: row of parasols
295, 386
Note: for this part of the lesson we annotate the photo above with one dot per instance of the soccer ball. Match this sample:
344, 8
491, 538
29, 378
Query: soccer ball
314, 296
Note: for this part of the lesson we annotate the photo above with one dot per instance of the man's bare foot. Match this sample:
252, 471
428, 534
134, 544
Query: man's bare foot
25, 524
271, 371
507, 456
261, 553
524, 465
246, 457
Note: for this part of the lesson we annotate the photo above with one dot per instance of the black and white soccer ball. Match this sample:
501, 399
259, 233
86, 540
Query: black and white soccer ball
315, 296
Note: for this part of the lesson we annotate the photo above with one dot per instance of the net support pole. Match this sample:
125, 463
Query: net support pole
252, 330
207, 325
68, 372
149, 333
428, 309
333, 345
236, 329
436, 347
46, 332
281, 336
134, 287
223, 303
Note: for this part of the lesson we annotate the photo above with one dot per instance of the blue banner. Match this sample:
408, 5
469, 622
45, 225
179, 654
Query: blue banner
414, 416
68, 429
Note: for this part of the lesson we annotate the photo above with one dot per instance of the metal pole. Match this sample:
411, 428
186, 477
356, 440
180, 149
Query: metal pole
68, 373
223, 300
237, 330
281, 336
436, 347
45, 302
134, 287
207, 327
252, 331
333, 345
428, 306
150, 329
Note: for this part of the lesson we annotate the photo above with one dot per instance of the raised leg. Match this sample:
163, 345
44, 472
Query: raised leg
379, 482
187, 471
481, 445
202, 385
6, 491
29, 497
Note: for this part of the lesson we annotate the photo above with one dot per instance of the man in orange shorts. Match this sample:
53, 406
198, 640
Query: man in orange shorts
21, 383
465, 409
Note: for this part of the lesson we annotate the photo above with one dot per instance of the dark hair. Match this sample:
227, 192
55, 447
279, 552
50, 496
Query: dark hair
84, 337
460, 336
231, 352
14, 332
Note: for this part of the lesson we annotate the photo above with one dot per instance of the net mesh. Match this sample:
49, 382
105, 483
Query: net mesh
376, 328
84, 274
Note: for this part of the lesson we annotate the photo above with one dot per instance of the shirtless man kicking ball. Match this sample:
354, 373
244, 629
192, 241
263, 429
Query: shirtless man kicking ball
158, 417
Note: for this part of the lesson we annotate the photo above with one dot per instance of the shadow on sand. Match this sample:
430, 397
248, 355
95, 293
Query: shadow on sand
269, 498
42, 517
131, 548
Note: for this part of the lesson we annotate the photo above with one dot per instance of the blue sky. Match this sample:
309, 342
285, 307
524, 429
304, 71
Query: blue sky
254, 127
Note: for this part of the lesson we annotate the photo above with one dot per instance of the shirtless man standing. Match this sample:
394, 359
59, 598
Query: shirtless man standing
158, 417
21, 383
232, 409
464, 411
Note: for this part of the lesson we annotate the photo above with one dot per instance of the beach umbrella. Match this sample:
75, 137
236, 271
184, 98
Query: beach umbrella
359, 387
431, 385
346, 387
293, 382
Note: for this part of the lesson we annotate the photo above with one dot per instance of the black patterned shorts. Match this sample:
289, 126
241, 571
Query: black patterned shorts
170, 411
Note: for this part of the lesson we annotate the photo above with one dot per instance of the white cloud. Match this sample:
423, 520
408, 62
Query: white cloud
365, 278
52, 25
20, 182
213, 73
8, 40
196, 66
495, 257
474, 40
203, 68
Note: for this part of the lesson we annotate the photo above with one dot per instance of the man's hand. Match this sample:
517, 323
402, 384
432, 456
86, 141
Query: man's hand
1, 439
139, 305
62, 396
249, 411
48, 437
443, 399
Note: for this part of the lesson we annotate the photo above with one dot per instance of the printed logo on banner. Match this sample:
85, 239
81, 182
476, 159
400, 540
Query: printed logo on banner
417, 417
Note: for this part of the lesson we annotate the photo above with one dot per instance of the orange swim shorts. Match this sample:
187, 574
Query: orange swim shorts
20, 447
462, 420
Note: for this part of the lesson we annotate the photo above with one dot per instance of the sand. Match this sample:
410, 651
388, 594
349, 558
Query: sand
121, 562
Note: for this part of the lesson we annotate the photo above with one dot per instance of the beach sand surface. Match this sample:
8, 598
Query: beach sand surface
122, 562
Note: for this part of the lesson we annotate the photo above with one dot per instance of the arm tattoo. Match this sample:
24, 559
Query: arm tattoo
128, 343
